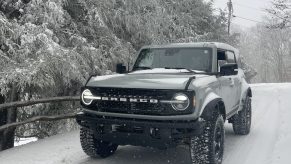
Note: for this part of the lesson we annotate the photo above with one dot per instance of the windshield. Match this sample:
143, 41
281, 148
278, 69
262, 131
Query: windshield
189, 58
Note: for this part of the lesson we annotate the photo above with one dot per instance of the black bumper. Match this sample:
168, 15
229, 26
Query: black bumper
138, 132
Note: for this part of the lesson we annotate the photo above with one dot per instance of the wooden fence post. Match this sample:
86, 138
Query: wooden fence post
9, 134
3, 120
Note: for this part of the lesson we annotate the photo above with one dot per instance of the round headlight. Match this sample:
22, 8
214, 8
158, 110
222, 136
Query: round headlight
86, 97
180, 102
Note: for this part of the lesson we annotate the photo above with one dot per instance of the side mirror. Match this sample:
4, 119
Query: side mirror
120, 68
229, 69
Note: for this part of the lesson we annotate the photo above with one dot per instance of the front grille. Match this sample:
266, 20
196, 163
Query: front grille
127, 107
144, 108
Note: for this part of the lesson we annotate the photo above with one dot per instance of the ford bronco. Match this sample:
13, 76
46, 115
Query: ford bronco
174, 94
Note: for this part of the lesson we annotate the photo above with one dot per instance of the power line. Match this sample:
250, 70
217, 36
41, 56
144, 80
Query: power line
244, 5
235, 16
261, 10
230, 7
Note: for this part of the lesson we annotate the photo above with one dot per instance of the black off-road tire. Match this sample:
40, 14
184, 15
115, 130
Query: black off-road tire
208, 148
242, 121
94, 147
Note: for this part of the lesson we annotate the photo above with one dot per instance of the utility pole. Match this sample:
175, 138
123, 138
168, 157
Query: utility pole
230, 12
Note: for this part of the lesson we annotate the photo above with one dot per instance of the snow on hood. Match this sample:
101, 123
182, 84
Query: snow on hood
162, 70
154, 79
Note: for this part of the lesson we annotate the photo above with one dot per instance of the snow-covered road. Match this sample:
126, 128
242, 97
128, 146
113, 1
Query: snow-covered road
268, 143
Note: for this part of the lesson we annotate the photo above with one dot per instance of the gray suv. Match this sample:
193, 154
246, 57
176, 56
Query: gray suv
174, 94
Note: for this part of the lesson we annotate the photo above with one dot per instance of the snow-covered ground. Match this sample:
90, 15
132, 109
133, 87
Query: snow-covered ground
268, 143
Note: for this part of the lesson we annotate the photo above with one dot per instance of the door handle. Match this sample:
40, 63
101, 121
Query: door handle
231, 82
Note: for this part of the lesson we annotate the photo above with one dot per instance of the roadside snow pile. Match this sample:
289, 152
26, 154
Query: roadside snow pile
268, 143
23, 141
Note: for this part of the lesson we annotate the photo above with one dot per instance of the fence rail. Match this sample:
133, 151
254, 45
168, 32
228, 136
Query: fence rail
39, 101
11, 105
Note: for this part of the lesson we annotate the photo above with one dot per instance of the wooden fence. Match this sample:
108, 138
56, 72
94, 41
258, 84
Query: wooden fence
10, 106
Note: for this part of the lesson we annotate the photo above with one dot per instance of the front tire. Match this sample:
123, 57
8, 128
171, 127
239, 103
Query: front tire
242, 121
94, 147
209, 146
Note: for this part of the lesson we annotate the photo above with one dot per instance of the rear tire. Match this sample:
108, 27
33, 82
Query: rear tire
209, 146
94, 147
243, 120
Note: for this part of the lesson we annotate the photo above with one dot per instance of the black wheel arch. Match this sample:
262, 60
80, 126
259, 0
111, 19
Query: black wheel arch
249, 92
216, 104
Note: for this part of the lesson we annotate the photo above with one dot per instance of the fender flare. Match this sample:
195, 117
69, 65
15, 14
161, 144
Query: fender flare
211, 101
247, 92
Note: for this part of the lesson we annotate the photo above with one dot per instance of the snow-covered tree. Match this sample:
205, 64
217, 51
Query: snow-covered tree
50, 48
266, 47
280, 13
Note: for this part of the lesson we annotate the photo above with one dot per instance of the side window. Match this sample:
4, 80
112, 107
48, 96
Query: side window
221, 59
225, 57
230, 57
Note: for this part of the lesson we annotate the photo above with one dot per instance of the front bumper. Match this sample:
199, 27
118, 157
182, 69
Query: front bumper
140, 132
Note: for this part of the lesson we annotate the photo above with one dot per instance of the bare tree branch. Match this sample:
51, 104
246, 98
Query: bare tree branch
39, 101
38, 118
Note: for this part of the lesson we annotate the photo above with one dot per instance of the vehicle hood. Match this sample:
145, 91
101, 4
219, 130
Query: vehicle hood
153, 79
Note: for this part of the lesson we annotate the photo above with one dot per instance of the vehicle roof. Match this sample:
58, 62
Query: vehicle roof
195, 44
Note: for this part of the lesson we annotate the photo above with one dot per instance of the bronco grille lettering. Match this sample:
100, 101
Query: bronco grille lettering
132, 100
123, 99
114, 99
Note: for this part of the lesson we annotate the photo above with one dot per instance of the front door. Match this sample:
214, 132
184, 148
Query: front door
229, 84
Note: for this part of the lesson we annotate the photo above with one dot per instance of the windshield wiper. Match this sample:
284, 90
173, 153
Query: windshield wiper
192, 71
189, 70
141, 68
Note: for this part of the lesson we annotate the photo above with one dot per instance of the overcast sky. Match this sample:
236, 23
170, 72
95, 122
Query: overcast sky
249, 9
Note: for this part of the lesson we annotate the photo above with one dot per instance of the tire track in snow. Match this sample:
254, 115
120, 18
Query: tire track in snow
281, 152
237, 146
257, 147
